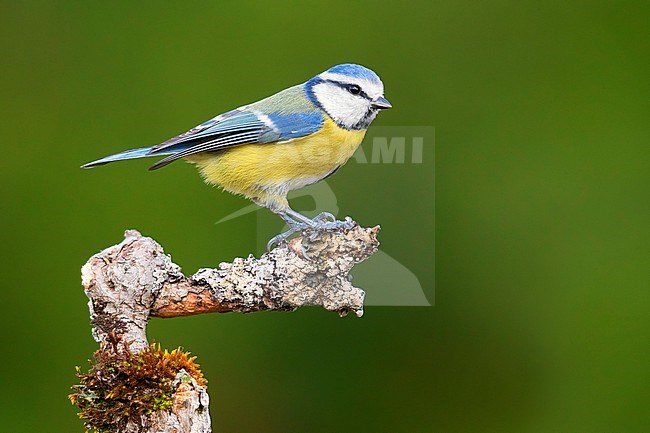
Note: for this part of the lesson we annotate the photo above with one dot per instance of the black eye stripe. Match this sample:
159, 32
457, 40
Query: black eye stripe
346, 85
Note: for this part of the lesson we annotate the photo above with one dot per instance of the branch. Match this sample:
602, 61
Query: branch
129, 282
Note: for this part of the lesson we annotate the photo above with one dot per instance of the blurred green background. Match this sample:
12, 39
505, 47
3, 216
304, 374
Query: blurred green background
542, 263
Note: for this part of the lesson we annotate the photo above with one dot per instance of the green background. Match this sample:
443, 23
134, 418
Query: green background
541, 112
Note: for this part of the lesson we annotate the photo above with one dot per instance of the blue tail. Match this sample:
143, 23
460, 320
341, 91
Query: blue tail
127, 154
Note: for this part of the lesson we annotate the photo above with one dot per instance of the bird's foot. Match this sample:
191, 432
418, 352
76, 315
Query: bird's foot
328, 222
298, 222
315, 226
295, 227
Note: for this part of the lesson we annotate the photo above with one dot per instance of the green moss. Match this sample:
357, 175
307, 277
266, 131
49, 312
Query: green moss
122, 386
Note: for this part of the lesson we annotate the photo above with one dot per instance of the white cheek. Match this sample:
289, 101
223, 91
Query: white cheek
340, 104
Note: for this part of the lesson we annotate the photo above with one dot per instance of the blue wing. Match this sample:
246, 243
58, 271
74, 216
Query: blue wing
234, 128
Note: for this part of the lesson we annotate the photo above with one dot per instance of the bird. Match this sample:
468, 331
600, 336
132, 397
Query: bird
294, 138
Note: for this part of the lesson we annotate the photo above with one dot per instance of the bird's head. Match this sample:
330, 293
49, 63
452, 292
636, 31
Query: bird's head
350, 94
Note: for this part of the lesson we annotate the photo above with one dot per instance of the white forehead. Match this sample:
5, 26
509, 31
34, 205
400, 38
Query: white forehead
374, 89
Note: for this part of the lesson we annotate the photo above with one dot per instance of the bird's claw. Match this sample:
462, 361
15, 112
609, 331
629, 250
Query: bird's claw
282, 237
324, 217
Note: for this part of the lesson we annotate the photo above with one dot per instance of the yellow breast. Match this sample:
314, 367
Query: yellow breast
273, 169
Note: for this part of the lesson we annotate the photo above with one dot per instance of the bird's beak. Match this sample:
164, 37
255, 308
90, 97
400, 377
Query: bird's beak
381, 103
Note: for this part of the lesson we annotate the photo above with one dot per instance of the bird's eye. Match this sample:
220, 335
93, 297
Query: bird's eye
354, 89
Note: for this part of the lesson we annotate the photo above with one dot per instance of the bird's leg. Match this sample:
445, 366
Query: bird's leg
294, 227
291, 222
300, 218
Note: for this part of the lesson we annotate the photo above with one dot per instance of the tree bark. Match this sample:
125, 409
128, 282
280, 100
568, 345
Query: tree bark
134, 280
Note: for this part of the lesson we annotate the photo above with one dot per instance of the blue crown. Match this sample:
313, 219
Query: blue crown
352, 70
